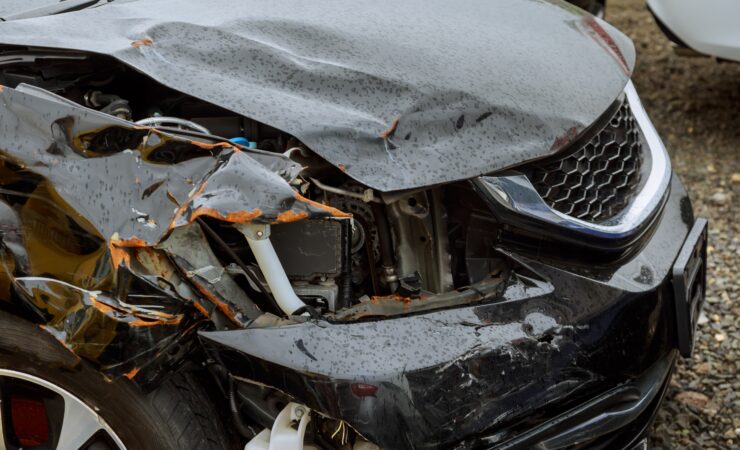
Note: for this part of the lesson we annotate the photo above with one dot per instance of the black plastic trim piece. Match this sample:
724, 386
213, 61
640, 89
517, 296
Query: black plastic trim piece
689, 284
604, 414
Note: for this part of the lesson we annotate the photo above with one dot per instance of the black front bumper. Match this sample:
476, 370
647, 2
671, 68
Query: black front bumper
617, 418
525, 368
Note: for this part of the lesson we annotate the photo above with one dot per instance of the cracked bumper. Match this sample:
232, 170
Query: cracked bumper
487, 374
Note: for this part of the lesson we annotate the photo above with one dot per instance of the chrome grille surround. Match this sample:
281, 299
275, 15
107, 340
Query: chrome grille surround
516, 193
598, 180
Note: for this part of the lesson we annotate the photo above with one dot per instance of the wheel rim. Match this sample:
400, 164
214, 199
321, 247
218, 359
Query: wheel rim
81, 425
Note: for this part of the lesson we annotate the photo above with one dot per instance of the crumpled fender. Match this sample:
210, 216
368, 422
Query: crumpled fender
93, 210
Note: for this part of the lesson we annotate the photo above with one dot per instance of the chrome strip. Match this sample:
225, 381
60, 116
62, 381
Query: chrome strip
516, 193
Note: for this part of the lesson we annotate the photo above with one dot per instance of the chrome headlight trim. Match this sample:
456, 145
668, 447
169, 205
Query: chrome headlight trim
516, 192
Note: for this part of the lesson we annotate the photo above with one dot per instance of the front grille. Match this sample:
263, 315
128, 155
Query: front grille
599, 179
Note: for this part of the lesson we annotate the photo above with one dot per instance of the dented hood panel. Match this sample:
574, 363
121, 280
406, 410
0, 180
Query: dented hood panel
398, 95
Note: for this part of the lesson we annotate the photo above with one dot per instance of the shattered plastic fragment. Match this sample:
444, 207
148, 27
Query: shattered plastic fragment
99, 327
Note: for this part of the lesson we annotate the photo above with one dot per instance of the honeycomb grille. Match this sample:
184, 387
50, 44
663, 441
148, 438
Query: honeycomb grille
598, 180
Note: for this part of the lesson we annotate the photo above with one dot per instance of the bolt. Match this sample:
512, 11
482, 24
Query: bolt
259, 234
299, 412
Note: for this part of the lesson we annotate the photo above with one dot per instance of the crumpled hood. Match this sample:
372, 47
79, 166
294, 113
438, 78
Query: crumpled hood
396, 94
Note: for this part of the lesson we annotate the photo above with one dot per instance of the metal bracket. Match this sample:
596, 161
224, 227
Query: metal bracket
255, 231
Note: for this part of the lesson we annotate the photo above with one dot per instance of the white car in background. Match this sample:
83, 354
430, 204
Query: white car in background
709, 27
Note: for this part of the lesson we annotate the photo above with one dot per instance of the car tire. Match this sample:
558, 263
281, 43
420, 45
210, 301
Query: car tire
175, 416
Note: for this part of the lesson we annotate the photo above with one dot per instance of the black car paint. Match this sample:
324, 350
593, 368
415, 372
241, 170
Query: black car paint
401, 95
478, 369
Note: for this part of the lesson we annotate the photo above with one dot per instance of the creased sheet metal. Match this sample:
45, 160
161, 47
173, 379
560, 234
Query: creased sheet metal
400, 94
92, 211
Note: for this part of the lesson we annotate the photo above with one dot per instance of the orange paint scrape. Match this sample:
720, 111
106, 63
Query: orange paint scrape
206, 146
132, 242
181, 210
103, 307
231, 217
154, 322
132, 373
331, 210
290, 216
391, 298
223, 307
142, 42
118, 255
202, 309
406, 302
391, 129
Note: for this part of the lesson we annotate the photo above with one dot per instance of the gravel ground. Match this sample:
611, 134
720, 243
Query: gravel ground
695, 104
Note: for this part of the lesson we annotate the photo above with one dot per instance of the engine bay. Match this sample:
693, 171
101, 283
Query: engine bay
396, 252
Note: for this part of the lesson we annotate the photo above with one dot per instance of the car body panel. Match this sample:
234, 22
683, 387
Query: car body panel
397, 95
709, 27
9, 7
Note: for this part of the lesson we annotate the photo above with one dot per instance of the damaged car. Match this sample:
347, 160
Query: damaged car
322, 225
